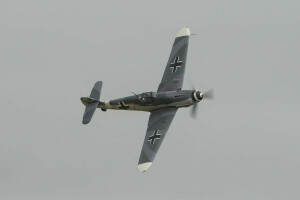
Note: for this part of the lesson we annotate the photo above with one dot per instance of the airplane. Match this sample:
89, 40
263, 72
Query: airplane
162, 104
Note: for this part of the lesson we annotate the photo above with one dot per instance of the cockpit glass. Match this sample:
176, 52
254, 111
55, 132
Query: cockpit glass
148, 97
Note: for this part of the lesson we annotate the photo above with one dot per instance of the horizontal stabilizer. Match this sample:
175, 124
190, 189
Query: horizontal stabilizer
89, 112
96, 91
92, 102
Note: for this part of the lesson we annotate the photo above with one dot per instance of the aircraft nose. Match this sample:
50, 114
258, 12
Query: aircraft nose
197, 96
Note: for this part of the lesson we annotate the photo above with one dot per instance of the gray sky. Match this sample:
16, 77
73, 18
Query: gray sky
244, 144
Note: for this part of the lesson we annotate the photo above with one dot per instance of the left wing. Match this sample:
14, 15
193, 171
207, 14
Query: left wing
174, 72
158, 125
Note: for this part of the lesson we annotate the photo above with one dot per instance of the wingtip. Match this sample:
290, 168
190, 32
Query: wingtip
85, 122
185, 31
144, 166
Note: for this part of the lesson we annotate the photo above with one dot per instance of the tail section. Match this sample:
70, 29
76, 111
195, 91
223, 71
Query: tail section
91, 102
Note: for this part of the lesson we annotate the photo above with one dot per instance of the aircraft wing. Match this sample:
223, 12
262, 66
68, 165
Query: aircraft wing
158, 125
174, 72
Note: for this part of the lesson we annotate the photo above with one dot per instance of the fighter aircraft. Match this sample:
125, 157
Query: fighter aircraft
162, 104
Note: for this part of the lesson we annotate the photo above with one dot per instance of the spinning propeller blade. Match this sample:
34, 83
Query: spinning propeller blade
209, 94
193, 112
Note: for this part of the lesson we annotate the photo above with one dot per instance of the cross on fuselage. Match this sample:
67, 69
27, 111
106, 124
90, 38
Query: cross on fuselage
175, 64
122, 105
155, 136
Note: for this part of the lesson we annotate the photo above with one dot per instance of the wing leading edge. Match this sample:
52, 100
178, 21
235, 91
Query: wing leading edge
174, 71
158, 125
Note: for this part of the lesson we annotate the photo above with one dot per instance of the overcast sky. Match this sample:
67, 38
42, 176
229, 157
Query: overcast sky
244, 144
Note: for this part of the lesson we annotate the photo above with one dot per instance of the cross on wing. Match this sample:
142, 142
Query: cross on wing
175, 64
155, 136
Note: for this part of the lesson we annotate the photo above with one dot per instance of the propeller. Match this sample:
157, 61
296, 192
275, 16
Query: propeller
207, 95
193, 112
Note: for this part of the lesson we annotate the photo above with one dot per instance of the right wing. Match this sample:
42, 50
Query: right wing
174, 72
158, 125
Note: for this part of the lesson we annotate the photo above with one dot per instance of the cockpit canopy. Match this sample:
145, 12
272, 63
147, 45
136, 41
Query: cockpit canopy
148, 97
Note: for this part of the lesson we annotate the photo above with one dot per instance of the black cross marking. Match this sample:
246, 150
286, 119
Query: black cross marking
175, 64
155, 136
122, 105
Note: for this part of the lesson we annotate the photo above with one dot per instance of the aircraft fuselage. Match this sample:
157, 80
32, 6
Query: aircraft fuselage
150, 101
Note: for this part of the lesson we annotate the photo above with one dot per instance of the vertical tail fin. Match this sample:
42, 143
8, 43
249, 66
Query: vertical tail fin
91, 102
